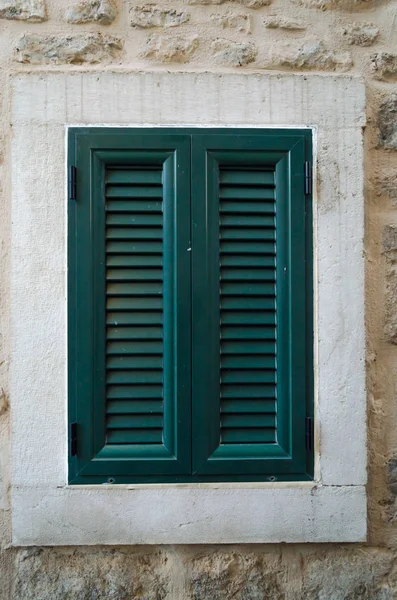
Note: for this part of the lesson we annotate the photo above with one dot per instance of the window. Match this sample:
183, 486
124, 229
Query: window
190, 305
46, 511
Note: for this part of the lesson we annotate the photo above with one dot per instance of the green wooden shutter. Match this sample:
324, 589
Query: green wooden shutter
190, 305
250, 383
129, 276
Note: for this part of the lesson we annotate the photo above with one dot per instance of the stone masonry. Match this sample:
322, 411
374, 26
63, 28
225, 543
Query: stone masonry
354, 36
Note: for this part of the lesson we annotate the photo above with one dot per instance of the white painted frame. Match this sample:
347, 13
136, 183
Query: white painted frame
45, 510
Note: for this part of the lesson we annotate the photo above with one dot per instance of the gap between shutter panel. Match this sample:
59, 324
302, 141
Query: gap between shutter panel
134, 305
248, 305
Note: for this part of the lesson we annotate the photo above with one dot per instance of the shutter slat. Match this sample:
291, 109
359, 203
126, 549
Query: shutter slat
247, 236
133, 220
257, 376
247, 303
246, 193
248, 318
245, 260
138, 288
134, 304
136, 347
134, 274
251, 391
247, 208
250, 361
248, 405
146, 247
133, 333
248, 221
143, 261
251, 288
134, 318
141, 421
133, 191
131, 376
138, 392
246, 177
137, 407
246, 332
134, 206
247, 274
134, 362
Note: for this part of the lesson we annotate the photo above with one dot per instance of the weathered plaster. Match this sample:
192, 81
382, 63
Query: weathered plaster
43, 509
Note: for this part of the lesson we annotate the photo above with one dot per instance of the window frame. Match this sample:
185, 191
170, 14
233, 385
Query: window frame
48, 511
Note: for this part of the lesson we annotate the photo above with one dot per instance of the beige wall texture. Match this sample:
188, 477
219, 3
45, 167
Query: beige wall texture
354, 36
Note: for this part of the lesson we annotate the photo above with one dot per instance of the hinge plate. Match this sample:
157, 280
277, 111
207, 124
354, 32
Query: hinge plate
309, 433
308, 178
73, 439
72, 182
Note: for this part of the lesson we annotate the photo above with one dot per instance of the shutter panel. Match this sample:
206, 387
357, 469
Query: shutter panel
130, 278
247, 260
134, 305
249, 306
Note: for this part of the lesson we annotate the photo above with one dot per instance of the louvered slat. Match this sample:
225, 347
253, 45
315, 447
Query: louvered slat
134, 300
248, 301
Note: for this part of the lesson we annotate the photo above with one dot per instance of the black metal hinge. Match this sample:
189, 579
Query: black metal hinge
73, 439
308, 178
309, 433
72, 183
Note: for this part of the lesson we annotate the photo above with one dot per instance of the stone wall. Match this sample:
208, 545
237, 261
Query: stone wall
356, 36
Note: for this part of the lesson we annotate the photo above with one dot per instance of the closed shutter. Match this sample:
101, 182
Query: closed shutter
249, 306
189, 306
247, 261
130, 335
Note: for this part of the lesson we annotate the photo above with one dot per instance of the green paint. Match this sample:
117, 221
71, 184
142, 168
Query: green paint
190, 305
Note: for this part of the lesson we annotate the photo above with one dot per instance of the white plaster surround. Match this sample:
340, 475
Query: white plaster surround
45, 510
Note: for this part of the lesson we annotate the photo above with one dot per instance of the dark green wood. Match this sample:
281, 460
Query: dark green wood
272, 446
254, 333
143, 355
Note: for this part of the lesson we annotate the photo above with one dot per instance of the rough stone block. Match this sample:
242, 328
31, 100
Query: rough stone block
390, 238
331, 4
23, 10
393, 476
149, 16
387, 123
311, 55
233, 20
233, 54
279, 22
247, 3
92, 11
360, 34
226, 575
170, 48
76, 49
92, 574
386, 184
384, 66
390, 328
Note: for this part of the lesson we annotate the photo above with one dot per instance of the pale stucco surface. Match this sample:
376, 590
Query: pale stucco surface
337, 36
